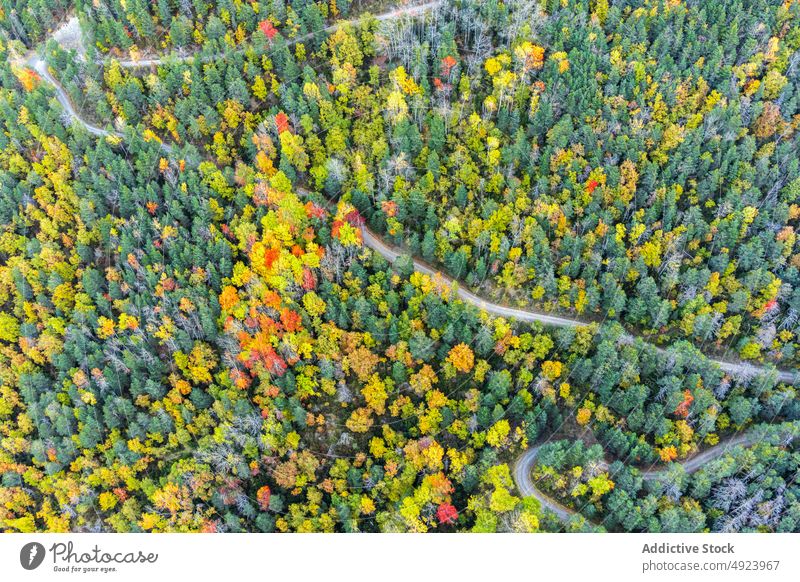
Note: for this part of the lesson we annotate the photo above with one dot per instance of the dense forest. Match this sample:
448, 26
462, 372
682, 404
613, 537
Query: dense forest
196, 336
29, 21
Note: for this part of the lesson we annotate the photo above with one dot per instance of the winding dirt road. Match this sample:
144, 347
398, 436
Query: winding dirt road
412, 11
390, 253
38, 65
523, 470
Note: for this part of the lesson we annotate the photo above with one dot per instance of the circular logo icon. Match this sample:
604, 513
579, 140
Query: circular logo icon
31, 555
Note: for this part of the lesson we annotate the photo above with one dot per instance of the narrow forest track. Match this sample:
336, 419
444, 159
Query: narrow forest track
411, 11
391, 252
38, 65
523, 470
523, 467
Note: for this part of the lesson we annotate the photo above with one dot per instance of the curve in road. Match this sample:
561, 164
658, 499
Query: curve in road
38, 65
523, 478
523, 471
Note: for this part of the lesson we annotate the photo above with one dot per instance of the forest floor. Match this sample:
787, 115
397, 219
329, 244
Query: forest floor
70, 37
572, 431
